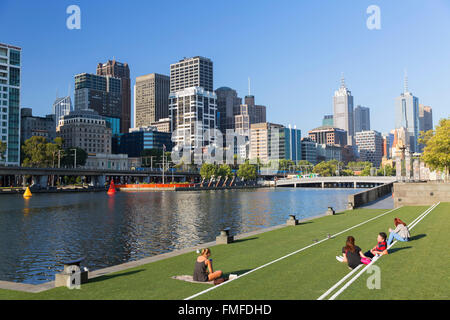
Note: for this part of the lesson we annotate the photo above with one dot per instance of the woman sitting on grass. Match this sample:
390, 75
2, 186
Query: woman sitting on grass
352, 254
202, 264
401, 232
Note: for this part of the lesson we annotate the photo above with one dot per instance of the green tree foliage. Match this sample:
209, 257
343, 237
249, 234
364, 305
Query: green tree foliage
247, 171
2, 149
69, 157
208, 170
286, 165
35, 153
366, 170
224, 171
436, 153
325, 169
387, 169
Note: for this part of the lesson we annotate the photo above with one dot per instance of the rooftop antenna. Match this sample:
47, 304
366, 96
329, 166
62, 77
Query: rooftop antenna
68, 91
342, 80
249, 86
406, 81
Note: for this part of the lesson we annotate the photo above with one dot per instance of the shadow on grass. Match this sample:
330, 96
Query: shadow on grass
239, 273
243, 240
417, 237
108, 277
394, 250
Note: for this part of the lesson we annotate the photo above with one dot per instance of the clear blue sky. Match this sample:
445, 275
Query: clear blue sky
294, 51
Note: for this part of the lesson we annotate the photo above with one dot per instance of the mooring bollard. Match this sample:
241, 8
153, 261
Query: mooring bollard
73, 275
330, 211
292, 221
224, 237
350, 206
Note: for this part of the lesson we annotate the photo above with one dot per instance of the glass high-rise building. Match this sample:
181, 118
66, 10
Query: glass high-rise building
362, 118
122, 71
102, 94
61, 107
407, 116
191, 72
343, 111
10, 70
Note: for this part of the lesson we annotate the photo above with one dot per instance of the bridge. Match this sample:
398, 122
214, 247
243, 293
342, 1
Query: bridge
335, 182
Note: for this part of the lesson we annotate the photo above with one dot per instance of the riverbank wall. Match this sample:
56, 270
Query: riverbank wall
420, 194
361, 198
51, 190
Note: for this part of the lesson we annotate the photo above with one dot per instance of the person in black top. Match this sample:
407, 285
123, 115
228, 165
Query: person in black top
352, 254
203, 270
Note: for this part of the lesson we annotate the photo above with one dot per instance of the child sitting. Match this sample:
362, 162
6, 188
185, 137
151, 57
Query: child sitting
380, 248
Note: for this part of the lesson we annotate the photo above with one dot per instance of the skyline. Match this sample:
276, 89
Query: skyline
285, 77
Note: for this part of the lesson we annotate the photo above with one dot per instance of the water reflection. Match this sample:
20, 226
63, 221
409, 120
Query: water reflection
38, 234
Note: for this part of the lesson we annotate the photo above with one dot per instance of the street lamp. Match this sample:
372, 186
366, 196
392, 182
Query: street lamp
75, 158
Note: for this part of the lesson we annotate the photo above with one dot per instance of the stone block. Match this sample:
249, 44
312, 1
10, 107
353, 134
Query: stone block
330, 211
292, 221
224, 237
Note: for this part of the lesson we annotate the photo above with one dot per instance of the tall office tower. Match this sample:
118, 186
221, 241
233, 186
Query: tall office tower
151, 99
102, 94
370, 146
407, 116
10, 69
122, 71
192, 102
328, 121
309, 151
191, 72
425, 118
192, 111
228, 106
343, 111
362, 118
61, 107
264, 144
260, 113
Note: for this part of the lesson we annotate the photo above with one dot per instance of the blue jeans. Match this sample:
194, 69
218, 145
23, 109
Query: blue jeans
396, 236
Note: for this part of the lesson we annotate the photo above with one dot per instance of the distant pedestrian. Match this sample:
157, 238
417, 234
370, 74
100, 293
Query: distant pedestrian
203, 269
352, 254
400, 233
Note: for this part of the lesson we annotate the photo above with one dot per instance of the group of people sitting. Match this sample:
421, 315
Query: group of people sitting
351, 253
353, 256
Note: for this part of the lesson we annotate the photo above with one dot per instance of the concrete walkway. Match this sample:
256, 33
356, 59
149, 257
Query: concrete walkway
386, 202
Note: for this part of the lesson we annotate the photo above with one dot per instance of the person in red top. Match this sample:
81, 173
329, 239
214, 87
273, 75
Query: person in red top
380, 248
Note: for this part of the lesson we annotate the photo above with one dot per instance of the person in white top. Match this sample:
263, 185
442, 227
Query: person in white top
400, 233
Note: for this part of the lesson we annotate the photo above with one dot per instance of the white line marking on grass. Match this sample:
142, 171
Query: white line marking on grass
412, 225
288, 255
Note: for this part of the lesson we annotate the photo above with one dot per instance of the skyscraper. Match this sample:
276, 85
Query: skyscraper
122, 71
192, 101
327, 120
61, 107
191, 72
10, 69
228, 106
425, 118
407, 116
151, 99
370, 146
343, 111
102, 94
362, 119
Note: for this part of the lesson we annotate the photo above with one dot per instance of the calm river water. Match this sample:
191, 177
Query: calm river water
37, 234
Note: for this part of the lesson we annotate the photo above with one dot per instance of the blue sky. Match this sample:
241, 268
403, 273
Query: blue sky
293, 51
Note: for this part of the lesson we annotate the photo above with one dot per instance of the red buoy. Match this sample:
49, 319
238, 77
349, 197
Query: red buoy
112, 188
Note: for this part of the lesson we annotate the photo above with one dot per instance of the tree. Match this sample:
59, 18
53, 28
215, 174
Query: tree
224, 171
366, 170
436, 153
387, 169
304, 166
69, 155
325, 169
35, 152
2, 149
247, 171
208, 170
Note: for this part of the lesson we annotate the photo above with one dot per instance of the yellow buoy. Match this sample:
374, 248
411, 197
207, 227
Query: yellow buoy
27, 193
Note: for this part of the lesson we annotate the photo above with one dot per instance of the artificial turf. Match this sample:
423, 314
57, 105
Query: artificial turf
305, 275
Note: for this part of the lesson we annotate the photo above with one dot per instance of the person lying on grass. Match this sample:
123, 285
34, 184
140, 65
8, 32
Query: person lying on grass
380, 248
400, 233
203, 270
352, 254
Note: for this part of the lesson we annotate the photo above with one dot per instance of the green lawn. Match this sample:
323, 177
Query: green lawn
305, 275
